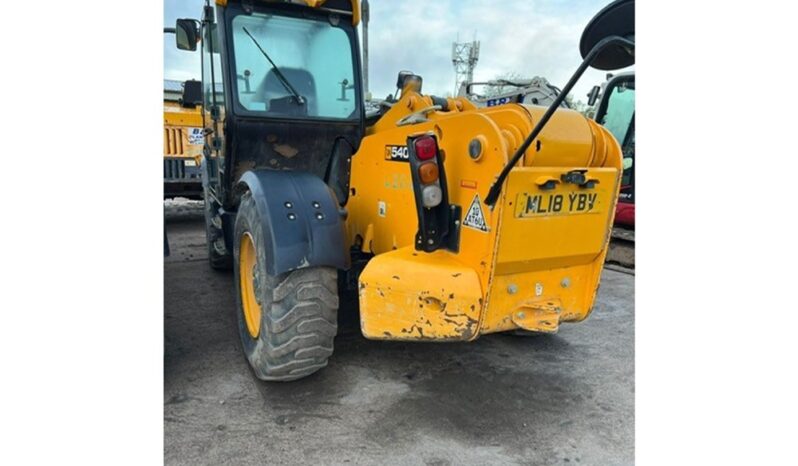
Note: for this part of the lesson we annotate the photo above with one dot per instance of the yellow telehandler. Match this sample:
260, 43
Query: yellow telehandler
182, 140
447, 220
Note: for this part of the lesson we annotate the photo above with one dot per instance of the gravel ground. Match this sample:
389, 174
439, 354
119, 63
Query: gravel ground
559, 399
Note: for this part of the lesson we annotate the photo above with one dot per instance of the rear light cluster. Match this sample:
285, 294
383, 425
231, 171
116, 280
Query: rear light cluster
426, 149
438, 221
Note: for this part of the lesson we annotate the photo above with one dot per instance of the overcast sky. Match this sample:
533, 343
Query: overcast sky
525, 37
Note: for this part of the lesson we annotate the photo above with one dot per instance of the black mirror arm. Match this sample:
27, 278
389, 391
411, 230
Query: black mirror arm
495, 190
593, 96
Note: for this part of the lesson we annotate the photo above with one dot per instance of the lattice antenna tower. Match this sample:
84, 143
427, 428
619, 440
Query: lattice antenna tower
464, 58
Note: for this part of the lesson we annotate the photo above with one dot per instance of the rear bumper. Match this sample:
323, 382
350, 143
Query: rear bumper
181, 169
181, 178
410, 295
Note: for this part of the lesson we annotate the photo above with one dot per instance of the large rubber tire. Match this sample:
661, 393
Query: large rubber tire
298, 309
219, 257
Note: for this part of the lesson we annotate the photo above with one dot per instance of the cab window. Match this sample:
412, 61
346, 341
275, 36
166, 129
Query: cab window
620, 111
312, 55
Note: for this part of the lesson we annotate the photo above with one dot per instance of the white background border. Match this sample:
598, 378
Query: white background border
81, 336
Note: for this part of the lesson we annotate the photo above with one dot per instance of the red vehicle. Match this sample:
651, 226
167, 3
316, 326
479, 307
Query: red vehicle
616, 111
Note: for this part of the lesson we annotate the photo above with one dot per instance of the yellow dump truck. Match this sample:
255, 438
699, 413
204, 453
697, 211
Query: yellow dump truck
182, 140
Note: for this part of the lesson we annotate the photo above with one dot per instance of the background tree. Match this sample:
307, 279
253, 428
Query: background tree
491, 90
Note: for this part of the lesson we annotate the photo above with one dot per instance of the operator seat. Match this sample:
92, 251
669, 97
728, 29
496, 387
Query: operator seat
273, 94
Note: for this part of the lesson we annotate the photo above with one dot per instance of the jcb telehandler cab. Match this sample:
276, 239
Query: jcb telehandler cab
449, 221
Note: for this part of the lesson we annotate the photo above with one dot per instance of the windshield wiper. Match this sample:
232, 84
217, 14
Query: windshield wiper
283, 80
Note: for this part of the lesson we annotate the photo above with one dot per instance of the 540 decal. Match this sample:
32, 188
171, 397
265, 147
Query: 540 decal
396, 153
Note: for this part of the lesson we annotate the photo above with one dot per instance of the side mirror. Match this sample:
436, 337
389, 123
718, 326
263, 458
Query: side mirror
593, 96
616, 19
186, 34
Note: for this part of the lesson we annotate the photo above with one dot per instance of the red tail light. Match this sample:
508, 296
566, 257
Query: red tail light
426, 148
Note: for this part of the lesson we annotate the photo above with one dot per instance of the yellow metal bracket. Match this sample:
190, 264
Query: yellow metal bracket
539, 316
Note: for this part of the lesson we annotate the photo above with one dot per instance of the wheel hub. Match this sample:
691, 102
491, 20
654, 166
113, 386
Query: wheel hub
249, 285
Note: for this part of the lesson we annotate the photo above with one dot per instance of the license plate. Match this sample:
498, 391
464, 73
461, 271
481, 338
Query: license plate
563, 203
190, 163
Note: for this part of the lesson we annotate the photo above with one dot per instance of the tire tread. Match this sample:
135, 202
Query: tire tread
304, 320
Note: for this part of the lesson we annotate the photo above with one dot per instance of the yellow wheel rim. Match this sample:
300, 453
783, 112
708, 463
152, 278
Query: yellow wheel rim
247, 268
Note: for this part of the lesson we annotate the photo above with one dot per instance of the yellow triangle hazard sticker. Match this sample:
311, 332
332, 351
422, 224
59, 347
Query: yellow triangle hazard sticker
475, 217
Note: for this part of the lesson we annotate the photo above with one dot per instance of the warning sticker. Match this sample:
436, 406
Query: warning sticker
474, 216
196, 136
